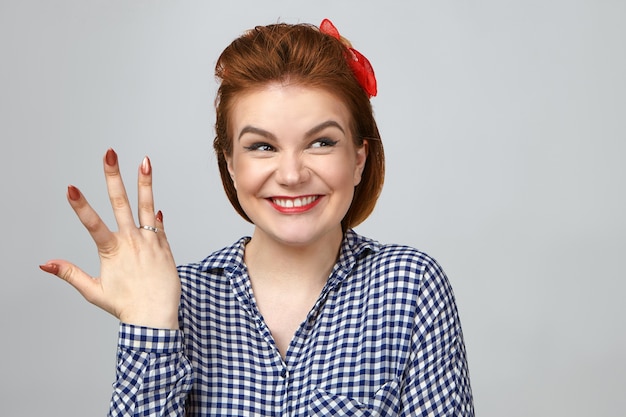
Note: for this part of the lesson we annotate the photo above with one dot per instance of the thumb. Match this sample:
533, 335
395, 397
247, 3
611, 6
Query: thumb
86, 285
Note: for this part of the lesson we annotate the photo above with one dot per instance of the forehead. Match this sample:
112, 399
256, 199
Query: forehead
278, 107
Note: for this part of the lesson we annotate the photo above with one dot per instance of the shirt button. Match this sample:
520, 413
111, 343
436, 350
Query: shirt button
283, 373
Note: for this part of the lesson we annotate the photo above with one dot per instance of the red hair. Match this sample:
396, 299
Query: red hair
299, 54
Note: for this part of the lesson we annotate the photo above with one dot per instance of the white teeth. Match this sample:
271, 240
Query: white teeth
294, 202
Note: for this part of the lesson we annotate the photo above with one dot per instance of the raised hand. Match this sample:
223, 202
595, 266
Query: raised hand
138, 280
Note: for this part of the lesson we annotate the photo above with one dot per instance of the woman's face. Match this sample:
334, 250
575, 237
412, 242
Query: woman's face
294, 163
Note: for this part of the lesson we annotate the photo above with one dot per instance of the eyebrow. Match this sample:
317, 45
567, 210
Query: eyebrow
256, 131
324, 125
310, 132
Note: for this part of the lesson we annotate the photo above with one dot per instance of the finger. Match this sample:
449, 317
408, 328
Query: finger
99, 231
161, 234
158, 219
86, 285
117, 192
144, 194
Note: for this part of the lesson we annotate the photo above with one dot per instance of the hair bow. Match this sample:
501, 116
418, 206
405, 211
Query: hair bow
359, 65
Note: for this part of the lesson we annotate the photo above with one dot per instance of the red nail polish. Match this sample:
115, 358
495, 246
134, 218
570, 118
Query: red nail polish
50, 268
159, 216
146, 166
111, 157
73, 193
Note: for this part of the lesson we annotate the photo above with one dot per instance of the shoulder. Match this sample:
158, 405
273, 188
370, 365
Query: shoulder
392, 258
393, 265
405, 258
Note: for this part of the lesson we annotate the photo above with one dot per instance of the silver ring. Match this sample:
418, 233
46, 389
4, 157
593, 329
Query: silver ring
151, 228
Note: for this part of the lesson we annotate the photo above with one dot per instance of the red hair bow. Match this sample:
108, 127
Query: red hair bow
358, 63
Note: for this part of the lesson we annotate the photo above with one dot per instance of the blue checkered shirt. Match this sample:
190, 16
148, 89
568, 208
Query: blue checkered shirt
383, 339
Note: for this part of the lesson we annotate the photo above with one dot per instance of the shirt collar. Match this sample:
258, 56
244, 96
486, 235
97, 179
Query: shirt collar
229, 258
230, 261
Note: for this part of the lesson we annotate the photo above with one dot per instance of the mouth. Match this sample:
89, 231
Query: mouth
295, 205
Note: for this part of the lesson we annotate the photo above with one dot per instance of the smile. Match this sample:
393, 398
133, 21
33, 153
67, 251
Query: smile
295, 205
294, 202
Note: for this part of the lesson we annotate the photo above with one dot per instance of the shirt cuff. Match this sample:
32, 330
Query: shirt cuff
149, 340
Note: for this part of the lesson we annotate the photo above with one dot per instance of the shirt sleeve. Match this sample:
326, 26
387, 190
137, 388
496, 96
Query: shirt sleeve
153, 375
437, 380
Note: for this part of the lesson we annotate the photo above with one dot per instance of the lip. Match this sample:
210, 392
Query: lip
294, 205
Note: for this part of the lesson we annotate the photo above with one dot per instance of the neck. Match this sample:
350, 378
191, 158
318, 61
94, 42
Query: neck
276, 263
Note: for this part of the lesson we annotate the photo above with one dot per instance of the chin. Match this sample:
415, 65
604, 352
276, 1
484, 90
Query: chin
297, 239
300, 235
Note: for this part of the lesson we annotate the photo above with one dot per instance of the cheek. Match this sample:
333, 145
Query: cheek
247, 176
339, 174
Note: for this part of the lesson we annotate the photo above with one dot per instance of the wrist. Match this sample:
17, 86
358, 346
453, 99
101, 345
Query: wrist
154, 321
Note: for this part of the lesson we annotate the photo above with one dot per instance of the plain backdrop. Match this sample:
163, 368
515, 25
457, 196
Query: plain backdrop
504, 124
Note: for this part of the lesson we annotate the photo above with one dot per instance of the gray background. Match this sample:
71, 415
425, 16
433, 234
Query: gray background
504, 124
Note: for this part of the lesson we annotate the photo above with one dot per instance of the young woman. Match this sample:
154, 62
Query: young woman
305, 317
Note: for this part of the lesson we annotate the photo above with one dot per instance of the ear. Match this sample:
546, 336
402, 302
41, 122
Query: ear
361, 158
229, 165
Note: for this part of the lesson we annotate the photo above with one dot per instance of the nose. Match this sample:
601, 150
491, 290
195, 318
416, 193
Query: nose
291, 169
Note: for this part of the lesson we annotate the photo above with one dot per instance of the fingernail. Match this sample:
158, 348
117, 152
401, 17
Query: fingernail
146, 167
159, 216
73, 193
111, 157
50, 268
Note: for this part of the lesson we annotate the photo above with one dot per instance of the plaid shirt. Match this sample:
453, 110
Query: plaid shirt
383, 339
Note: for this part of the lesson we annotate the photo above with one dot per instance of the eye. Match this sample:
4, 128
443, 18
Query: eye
323, 142
260, 146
